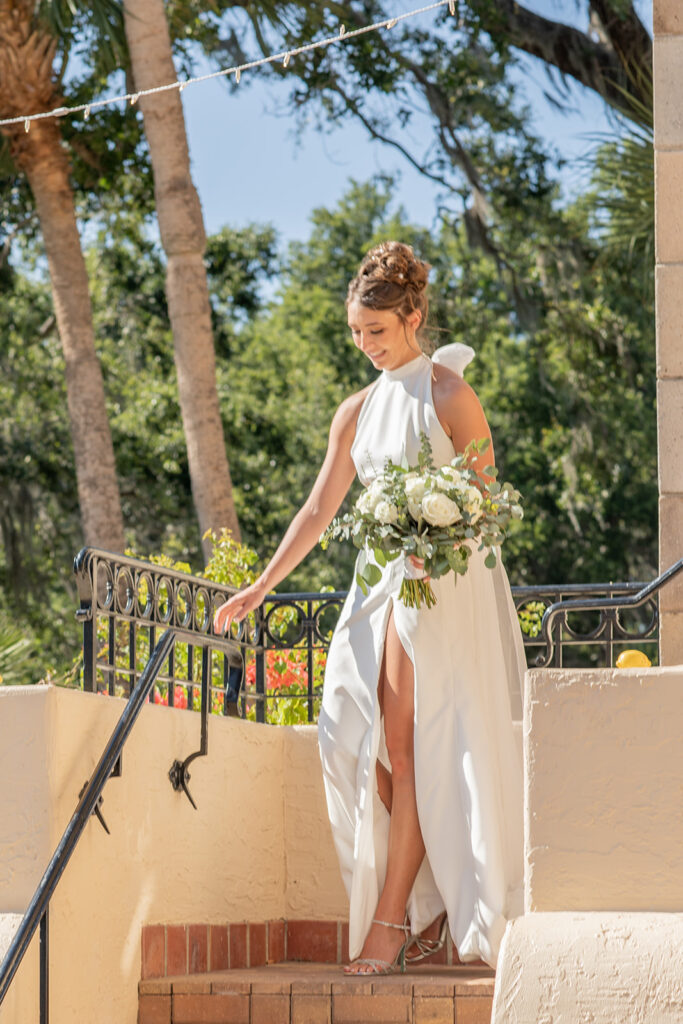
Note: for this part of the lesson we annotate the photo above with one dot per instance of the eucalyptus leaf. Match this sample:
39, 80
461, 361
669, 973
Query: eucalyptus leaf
371, 574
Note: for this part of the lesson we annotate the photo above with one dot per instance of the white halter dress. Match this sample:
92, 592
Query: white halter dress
469, 664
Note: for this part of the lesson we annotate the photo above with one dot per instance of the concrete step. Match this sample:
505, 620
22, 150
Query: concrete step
304, 993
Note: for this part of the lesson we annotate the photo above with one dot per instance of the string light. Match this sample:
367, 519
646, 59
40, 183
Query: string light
85, 108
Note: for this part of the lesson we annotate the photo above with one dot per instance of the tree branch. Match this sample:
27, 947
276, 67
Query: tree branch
615, 70
353, 106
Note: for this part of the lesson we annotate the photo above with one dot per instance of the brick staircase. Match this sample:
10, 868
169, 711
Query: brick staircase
305, 993
289, 972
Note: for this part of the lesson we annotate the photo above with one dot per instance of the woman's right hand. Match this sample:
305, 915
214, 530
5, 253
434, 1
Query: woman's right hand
238, 606
416, 568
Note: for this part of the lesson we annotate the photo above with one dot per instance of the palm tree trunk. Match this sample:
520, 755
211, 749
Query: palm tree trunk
26, 56
183, 238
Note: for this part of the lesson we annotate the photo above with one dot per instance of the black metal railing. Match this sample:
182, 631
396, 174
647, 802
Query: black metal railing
36, 915
609, 630
124, 602
273, 669
159, 665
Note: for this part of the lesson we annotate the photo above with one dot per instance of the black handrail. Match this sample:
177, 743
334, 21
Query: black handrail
36, 913
609, 604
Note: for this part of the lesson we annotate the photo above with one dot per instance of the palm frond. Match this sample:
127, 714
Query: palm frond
104, 17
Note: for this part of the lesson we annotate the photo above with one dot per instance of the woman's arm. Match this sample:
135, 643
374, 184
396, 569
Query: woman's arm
461, 415
314, 516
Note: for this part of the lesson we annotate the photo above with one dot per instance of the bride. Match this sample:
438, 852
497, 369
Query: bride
422, 773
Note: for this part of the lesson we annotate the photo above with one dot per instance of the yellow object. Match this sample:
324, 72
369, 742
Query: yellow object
633, 659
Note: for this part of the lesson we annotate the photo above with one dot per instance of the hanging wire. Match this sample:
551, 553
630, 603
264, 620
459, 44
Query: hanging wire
284, 56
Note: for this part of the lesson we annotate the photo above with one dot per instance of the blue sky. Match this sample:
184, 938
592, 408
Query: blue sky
248, 166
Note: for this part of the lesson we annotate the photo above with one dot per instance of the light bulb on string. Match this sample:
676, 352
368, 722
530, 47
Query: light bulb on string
284, 56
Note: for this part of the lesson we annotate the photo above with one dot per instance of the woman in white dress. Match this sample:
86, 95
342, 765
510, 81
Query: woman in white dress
422, 771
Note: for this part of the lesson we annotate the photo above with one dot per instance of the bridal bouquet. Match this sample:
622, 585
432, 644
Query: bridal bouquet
431, 514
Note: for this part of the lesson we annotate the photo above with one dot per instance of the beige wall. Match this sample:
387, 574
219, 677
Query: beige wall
603, 765
603, 770
668, 111
257, 848
602, 968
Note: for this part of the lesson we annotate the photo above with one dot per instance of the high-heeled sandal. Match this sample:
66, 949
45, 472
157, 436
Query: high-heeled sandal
379, 966
426, 947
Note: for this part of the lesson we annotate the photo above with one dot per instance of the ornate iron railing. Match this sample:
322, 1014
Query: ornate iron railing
275, 659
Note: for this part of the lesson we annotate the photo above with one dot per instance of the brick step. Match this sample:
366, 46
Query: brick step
173, 949
304, 993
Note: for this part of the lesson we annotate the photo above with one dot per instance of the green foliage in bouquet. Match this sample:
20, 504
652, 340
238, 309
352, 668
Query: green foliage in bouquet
433, 514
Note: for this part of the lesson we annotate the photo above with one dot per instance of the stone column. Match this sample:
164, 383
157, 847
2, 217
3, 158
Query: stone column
668, 118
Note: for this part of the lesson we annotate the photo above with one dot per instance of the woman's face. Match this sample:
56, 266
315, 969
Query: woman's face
382, 336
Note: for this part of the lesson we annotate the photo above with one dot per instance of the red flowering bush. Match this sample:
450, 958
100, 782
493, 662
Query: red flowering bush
287, 685
179, 696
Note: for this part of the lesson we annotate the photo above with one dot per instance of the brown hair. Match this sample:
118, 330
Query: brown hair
392, 277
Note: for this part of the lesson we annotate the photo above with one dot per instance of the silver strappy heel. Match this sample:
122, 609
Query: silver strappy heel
386, 966
426, 947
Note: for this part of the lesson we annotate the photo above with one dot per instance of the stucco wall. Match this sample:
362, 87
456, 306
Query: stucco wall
314, 888
258, 790
603, 766
602, 968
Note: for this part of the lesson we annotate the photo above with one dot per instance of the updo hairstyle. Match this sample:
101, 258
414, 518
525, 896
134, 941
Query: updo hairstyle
392, 277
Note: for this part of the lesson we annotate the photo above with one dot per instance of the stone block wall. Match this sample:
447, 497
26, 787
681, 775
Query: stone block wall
668, 115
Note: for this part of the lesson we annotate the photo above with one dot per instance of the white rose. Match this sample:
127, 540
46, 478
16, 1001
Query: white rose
449, 476
415, 489
385, 512
439, 510
441, 483
373, 494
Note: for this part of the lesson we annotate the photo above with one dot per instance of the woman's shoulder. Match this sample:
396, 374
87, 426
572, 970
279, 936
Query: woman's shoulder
455, 401
448, 385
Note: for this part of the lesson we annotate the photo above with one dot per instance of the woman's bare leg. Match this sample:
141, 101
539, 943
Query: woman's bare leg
406, 846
